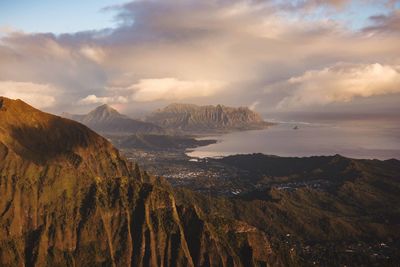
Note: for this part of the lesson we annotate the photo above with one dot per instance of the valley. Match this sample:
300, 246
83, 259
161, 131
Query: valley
320, 210
202, 175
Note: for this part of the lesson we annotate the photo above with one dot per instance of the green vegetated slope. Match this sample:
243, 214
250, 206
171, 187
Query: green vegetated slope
69, 199
329, 204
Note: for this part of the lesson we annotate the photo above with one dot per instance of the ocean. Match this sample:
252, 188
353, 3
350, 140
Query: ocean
355, 139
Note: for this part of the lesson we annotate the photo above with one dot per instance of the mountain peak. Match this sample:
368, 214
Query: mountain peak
14, 113
106, 119
105, 108
104, 113
40, 137
13, 104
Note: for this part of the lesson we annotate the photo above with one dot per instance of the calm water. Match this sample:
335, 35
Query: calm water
380, 140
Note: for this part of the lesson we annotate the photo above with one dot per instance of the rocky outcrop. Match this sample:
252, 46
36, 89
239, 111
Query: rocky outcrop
195, 118
105, 119
69, 199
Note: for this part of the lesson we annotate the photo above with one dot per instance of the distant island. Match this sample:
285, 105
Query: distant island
207, 119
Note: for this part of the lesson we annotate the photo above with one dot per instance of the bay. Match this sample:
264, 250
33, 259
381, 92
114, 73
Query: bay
355, 139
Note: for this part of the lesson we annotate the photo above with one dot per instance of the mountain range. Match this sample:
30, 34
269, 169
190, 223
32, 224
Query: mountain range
68, 198
173, 119
105, 119
200, 119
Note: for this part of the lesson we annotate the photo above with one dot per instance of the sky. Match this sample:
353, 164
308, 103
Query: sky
281, 58
57, 16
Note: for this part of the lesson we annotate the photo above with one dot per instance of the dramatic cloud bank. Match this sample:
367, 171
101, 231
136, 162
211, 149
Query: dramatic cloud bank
342, 83
272, 55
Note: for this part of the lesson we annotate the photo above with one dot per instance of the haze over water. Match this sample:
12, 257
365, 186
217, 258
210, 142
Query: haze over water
355, 139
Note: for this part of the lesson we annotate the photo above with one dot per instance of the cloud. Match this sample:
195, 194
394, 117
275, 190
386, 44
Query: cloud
93, 53
342, 83
215, 51
44, 59
254, 105
173, 89
93, 99
323, 3
6, 30
389, 23
38, 95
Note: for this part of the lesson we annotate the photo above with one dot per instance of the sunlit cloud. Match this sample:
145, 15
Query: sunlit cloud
254, 105
173, 89
342, 83
93, 53
38, 95
93, 99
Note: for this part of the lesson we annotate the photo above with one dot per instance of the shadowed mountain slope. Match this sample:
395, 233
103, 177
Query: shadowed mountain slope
69, 199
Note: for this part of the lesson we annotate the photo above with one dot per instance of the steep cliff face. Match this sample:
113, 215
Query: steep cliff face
105, 119
207, 118
69, 199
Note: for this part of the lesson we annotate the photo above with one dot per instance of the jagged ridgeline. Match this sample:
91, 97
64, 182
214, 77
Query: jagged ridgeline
69, 199
193, 118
